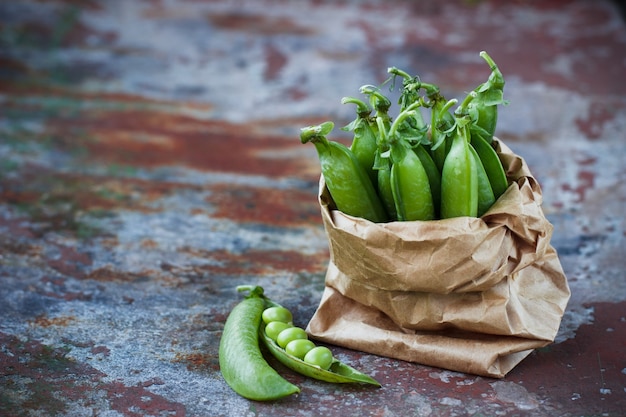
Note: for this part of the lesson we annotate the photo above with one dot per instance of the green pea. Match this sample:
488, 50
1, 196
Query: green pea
290, 334
273, 328
319, 356
340, 372
241, 363
271, 314
299, 347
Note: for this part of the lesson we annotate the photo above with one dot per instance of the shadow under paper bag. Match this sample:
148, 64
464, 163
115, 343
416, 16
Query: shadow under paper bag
473, 295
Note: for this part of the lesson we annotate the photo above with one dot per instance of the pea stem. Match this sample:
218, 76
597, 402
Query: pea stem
496, 79
408, 112
378, 100
254, 290
431, 89
398, 71
484, 55
462, 109
447, 106
362, 109
382, 133
312, 133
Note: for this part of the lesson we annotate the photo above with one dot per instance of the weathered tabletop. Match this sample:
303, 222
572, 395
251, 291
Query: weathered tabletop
150, 162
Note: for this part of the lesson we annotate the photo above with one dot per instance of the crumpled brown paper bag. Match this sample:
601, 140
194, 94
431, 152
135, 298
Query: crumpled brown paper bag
474, 295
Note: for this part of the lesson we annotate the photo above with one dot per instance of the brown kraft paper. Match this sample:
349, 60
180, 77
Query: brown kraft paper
473, 295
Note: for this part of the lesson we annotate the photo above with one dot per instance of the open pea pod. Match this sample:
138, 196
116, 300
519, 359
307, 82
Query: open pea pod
338, 372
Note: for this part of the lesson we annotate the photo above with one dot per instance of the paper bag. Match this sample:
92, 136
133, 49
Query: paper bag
474, 295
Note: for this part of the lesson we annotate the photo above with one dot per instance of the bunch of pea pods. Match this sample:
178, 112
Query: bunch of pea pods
411, 167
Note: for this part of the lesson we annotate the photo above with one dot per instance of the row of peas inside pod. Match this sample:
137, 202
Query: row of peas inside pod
294, 340
411, 167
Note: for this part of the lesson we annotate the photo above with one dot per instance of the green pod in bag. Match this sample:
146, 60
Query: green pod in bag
364, 144
485, 192
434, 176
410, 186
492, 164
489, 95
384, 187
459, 181
346, 180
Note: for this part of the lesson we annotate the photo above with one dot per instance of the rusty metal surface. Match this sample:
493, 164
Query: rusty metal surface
149, 163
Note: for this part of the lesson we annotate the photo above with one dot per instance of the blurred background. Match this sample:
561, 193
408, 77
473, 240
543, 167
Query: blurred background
150, 162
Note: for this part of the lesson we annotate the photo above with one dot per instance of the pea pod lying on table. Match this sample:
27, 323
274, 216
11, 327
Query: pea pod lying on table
245, 369
242, 365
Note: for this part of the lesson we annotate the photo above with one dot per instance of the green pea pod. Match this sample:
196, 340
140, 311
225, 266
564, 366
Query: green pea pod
486, 118
492, 164
434, 176
476, 130
364, 148
484, 108
410, 185
384, 187
442, 122
382, 165
242, 365
349, 185
439, 153
409, 181
485, 192
338, 372
459, 181
364, 144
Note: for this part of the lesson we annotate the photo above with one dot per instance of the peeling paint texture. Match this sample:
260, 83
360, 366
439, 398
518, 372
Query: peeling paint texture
150, 163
